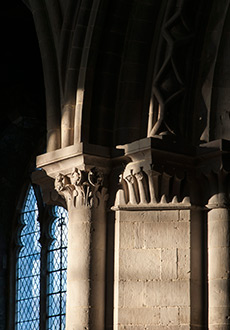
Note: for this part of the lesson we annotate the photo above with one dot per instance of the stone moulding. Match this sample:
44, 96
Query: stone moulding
159, 172
75, 176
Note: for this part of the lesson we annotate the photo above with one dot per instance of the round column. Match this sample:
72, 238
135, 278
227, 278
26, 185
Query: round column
219, 268
85, 198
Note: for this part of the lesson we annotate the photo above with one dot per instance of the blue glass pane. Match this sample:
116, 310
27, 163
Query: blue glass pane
63, 303
54, 323
54, 304
30, 202
64, 281
57, 271
28, 325
63, 321
30, 243
54, 283
28, 267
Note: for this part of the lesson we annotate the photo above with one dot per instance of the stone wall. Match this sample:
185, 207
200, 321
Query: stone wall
153, 269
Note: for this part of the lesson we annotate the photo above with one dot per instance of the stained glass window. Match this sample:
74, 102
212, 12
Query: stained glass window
31, 271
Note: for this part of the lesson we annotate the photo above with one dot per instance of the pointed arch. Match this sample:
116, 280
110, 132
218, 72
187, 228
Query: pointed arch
41, 264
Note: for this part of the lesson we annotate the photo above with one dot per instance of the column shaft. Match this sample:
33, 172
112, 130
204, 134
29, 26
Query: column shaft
86, 269
218, 268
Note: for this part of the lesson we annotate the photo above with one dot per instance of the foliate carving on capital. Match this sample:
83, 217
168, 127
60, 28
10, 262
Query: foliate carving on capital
82, 188
149, 185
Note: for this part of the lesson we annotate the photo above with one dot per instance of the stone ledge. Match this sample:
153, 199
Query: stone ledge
158, 207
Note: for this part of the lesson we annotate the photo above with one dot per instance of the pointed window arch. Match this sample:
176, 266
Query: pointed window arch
41, 266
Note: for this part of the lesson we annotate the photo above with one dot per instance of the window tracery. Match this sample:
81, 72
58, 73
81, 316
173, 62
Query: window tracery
41, 266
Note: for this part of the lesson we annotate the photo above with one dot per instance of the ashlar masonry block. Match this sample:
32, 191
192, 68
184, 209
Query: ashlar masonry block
184, 215
169, 316
167, 235
169, 264
131, 235
184, 263
131, 294
184, 315
169, 216
167, 293
140, 316
140, 264
126, 235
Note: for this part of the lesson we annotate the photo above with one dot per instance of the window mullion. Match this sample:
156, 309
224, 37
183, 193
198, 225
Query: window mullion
57, 270
45, 220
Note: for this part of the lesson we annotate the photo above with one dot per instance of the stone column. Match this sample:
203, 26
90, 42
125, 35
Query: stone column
74, 177
218, 254
85, 198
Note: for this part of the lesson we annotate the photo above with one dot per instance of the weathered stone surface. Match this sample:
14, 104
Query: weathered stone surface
169, 264
184, 263
169, 216
219, 315
139, 316
219, 269
132, 294
218, 290
184, 315
137, 264
184, 215
167, 235
169, 316
218, 232
126, 234
167, 293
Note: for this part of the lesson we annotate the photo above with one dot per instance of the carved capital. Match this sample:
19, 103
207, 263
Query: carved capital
146, 186
82, 188
217, 187
165, 172
50, 195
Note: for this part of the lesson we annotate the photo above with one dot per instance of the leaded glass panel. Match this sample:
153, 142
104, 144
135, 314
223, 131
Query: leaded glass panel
57, 271
28, 267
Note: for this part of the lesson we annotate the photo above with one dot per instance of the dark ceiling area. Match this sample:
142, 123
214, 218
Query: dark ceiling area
22, 102
22, 120
22, 91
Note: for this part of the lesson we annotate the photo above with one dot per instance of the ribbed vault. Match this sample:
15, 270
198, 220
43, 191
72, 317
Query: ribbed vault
210, 112
115, 70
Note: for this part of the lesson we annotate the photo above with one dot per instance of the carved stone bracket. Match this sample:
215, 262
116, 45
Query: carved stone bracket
149, 187
82, 188
165, 173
